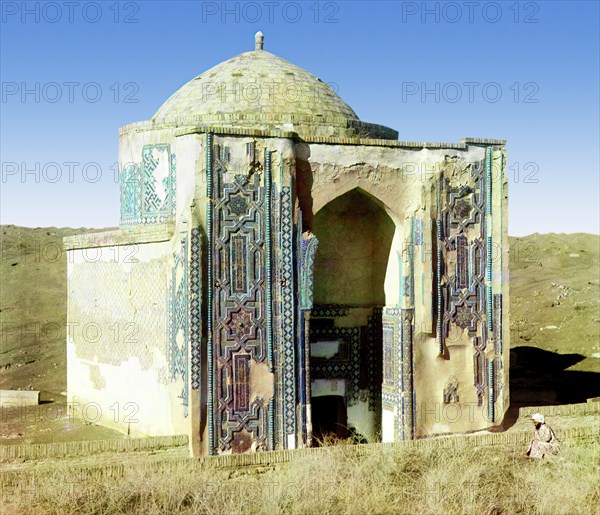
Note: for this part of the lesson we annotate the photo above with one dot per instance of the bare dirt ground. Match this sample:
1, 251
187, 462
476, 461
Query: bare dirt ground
554, 309
49, 422
555, 319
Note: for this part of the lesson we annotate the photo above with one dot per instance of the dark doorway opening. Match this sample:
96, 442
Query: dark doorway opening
330, 418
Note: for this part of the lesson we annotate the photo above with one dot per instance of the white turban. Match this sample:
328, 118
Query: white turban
538, 417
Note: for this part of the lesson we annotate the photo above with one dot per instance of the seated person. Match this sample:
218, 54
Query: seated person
544, 441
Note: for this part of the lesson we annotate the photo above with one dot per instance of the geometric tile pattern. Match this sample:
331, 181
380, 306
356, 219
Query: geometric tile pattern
195, 305
389, 362
374, 352
407, 390
131, 189
407, 288
345, 364
359, 359
307, 250
210, 353
148, 188
464, 293
271, 311
463, 287
268, 236
287, 311
276, 411
179, 322
330, 310
418, 232
398, 324
480, 367
498, 345
391, 390
238, 305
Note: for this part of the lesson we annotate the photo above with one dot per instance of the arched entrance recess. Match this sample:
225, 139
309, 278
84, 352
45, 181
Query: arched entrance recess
355, 236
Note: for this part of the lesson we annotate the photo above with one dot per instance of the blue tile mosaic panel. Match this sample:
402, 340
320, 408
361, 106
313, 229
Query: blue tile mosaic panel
148, 187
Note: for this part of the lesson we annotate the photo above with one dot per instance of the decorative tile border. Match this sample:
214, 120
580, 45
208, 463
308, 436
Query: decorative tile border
195, 307
178, 309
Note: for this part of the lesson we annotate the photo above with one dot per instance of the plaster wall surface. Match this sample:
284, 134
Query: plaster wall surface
388, 433
117, 372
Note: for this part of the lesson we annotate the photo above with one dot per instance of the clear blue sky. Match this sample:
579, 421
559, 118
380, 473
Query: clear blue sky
543, 57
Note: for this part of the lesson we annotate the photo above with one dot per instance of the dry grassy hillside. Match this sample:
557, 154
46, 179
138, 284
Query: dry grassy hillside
33, 307
555, 314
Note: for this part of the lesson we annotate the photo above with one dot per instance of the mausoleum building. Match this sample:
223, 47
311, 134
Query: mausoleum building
284, 270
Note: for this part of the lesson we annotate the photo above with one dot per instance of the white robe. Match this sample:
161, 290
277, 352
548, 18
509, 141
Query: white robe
544, 442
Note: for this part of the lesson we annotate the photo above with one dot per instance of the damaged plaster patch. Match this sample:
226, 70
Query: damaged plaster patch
261, 381
97, 380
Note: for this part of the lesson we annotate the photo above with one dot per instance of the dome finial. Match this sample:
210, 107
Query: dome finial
259, 40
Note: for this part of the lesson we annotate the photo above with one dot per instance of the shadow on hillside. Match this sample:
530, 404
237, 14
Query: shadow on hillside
539, 378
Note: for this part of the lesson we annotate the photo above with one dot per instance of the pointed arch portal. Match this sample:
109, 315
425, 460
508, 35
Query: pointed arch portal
355, 239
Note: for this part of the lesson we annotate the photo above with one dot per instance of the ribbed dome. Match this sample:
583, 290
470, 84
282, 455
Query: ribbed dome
255, 83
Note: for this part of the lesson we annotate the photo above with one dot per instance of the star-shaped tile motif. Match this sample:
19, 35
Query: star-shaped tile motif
240, 325
238, 205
